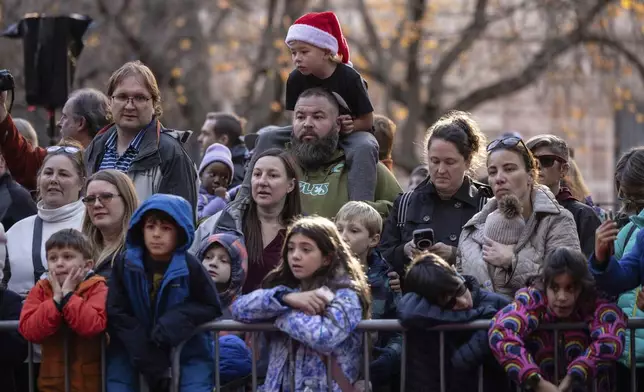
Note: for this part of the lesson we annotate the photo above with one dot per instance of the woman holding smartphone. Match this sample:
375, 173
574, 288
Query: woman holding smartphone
444, 201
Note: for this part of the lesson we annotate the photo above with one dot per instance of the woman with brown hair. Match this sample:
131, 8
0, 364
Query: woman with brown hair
263, 217
110, 201
513, 170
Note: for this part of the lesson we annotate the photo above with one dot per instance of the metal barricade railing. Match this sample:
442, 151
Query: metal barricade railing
13, 326
365, 327
383, 325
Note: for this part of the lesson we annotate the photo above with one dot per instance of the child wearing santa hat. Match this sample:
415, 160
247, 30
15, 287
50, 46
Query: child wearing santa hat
320, 54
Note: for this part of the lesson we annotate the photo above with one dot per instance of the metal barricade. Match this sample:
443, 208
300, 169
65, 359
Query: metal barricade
381, 325
365, 327
13, 326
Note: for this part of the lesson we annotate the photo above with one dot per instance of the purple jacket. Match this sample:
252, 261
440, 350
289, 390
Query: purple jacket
208, 205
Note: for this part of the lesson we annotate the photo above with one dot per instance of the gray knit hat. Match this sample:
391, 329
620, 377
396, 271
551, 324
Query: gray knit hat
505, 224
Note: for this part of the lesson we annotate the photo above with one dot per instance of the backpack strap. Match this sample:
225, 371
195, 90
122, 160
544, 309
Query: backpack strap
405, 200
36, 246
630, 234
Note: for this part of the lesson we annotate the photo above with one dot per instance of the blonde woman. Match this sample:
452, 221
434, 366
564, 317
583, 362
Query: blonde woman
574, 181
110, 202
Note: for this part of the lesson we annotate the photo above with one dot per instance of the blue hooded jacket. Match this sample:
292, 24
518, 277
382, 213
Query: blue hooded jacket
143, 334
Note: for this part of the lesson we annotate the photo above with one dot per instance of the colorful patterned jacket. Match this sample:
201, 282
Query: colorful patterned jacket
314, 337
586, 354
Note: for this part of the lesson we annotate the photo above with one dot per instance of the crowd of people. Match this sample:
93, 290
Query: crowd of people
116, 232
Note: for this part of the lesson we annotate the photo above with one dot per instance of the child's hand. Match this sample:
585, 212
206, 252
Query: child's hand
346, 124
221, 192
72, 281
545, 386
565, 384
55, 286
640, 299
309, 302
394, 281
605, 237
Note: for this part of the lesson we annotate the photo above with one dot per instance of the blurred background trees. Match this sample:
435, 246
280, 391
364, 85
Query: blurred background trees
561, 66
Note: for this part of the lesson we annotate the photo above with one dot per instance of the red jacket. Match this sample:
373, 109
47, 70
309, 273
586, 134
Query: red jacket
86, 316
23, 159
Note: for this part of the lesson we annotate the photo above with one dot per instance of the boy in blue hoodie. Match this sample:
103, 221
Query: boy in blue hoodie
360, 226
225, 258
158, 295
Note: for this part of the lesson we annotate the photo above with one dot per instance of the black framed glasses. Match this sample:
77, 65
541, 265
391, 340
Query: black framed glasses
137, 100
547, 160
508, 141
104, 198
65, 149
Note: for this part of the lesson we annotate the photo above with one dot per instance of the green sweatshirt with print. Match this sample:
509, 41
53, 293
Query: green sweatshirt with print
325, 190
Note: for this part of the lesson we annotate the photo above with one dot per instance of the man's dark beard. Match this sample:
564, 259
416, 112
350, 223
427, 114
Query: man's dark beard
314, 154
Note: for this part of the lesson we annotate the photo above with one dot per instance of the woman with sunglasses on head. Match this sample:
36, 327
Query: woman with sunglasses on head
552, 153
445, 200
60, 183
513, 170
110, 200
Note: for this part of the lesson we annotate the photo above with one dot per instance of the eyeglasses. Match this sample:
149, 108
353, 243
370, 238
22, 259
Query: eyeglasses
547, 160
509, 141
136, 100
66, 149
104, 198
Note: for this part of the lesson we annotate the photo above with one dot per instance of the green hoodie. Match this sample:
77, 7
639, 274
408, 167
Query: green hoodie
325, 190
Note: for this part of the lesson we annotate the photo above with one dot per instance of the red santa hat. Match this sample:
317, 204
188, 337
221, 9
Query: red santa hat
320, 29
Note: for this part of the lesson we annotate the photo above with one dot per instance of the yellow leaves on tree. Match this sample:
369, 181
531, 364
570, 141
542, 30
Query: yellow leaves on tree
176, 72
180, 22
276, 106
223, 4
185, 44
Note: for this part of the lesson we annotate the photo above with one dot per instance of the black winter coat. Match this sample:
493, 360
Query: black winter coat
464, 350
586, 220
14, 346
16, 203
423, 208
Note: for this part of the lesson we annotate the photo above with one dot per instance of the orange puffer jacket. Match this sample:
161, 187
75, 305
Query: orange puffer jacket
83, 317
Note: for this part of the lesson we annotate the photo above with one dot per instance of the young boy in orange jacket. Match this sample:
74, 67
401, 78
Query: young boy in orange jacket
67, 306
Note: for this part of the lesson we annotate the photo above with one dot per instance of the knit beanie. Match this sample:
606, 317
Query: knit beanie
505, 224
217, 153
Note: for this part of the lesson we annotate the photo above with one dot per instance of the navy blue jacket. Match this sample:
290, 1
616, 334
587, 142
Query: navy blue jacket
142, 334
464, 350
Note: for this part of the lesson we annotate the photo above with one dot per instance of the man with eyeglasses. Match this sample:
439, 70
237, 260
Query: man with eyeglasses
552, 153
137, 144
83, 115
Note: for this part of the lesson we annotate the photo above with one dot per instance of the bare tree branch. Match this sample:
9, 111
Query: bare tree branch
468, 37
374, 40
549, 52
619, 48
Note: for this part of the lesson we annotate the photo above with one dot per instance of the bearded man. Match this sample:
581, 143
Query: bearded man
321, 163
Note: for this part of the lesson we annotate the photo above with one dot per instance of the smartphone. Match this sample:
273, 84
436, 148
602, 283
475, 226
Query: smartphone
424, 238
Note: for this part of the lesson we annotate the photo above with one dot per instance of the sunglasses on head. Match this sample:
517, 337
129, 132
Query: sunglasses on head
508, 141
547, 160
65, 149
